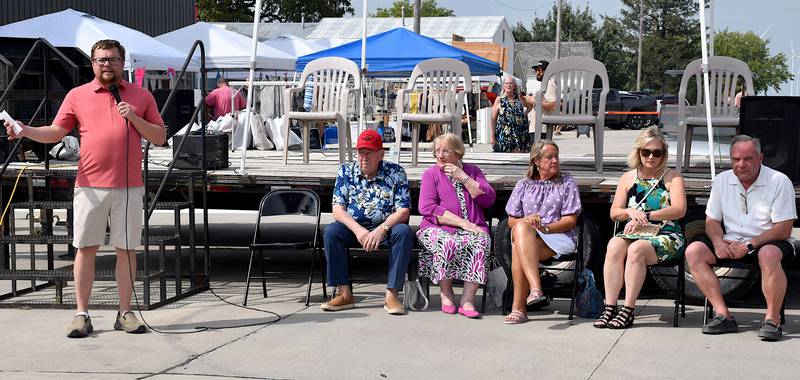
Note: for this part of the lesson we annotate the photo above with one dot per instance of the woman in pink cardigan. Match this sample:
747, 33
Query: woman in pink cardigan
454, 233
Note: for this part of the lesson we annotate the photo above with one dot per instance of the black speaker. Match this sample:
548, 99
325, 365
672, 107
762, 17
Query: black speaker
775, 120
180, 110
190, 155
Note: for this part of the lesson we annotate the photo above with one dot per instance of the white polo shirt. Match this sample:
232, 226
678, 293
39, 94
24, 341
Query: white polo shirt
769, 200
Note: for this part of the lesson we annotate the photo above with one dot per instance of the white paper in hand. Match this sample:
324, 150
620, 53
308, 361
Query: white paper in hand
17, 129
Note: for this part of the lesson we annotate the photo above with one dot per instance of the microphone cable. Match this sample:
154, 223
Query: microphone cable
197, 329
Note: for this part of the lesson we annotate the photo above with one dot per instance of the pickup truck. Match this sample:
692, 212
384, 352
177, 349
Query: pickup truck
623, 102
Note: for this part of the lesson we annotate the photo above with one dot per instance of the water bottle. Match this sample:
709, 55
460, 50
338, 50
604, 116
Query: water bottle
394, 154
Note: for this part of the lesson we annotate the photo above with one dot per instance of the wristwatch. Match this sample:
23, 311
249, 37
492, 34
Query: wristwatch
385, 227
750, 248
546, 228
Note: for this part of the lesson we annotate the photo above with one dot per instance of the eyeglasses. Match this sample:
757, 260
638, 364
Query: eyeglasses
657, 153
744, 202
443, 152
109, 60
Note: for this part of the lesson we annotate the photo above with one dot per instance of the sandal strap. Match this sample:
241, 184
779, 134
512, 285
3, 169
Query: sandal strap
608, 312
623, 317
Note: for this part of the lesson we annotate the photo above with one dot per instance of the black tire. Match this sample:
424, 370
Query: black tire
591, 250
731, 288
636, 122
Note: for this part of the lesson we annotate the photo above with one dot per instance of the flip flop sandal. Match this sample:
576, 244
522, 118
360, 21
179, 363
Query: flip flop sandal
535, 297
515, 317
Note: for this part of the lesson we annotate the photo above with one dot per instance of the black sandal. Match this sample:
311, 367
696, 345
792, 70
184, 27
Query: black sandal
623, 320
608, 312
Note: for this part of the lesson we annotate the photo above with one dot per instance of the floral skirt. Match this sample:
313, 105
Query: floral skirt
460, 255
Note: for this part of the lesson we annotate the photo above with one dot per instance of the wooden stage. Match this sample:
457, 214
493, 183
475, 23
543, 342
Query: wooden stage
265, 169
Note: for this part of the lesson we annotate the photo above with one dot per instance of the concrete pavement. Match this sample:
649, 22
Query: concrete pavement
365, 342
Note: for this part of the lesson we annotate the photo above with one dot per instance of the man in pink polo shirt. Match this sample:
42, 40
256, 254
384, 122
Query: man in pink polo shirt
220, 99
109, 179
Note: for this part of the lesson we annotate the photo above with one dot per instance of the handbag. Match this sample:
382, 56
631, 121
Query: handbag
589, 301
497, 282
649, 229
414, 296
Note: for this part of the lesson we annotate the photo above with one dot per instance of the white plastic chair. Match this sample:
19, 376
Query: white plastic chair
724, 76
440, 98
333, 80
574, 78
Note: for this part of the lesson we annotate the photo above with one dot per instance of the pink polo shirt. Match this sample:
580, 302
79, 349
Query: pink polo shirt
92, 108
220, 101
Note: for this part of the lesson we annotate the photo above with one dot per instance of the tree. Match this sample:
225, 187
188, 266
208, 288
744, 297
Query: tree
769, 71
226, 10
521, 33
671, 39
293, 10
428, 8
273, 10
576, 25
609, 48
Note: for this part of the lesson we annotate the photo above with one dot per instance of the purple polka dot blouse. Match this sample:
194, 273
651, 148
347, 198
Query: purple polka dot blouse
551, 199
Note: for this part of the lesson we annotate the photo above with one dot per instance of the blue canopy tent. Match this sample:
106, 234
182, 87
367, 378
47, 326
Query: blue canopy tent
394, 53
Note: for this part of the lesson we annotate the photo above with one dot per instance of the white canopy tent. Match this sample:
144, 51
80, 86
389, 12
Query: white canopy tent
71, 28
293, 45
226, 49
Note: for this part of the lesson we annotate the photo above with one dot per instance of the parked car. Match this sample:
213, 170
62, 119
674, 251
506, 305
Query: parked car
620, 103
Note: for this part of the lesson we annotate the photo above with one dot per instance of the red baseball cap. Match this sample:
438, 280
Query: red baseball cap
370, 139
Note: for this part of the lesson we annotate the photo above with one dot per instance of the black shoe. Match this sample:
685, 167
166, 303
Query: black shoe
720, 325
770, 331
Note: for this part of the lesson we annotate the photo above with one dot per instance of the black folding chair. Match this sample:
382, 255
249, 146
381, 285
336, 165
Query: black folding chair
551, 264
680, 281
426, 283
287, 219
754, 273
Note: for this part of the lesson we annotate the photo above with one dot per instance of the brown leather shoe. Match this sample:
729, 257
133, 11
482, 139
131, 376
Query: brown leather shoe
393, 306
340, 302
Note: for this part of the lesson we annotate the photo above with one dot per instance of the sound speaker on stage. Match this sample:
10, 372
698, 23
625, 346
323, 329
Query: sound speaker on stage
775, 120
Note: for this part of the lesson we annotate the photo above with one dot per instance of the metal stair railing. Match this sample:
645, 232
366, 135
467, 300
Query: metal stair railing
44, 44
150, 206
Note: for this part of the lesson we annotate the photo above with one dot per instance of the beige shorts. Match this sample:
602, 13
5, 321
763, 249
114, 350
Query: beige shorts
95, 207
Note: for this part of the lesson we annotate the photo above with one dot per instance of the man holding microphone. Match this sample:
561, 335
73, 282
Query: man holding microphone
112, 117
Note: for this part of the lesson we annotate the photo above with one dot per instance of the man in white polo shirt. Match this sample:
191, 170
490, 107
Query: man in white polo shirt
749, 217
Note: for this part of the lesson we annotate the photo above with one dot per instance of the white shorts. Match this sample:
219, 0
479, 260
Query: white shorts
560, 243
94, 207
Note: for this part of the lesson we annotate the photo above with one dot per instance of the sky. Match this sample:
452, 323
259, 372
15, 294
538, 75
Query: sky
774, 18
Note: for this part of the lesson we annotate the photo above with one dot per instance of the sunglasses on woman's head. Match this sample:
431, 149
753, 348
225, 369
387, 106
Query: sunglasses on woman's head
657, 153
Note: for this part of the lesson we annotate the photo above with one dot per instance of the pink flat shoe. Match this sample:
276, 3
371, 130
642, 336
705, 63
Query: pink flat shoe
449, 309
473, 314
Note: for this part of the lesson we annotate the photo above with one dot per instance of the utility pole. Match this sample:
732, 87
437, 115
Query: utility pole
641, 33
558, 30
417, 10
403, 13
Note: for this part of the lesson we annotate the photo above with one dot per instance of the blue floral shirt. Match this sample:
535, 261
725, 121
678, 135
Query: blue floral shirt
370, 202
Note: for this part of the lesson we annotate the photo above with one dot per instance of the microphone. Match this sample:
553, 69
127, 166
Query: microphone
114, 89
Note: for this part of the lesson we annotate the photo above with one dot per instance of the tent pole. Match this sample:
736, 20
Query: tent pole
363, 68
706, 91
253, 50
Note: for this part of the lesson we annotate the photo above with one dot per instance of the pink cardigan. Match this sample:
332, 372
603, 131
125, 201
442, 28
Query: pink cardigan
437, 194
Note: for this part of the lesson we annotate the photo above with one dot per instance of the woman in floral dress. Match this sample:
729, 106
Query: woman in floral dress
453, 231
650, 193
509, 124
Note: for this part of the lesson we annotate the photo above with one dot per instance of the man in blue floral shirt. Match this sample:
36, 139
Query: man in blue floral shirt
371, 205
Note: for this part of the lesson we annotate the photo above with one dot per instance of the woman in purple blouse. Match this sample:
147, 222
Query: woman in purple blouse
542, 212
454, 233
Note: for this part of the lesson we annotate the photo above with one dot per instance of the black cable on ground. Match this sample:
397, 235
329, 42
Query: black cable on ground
196, 329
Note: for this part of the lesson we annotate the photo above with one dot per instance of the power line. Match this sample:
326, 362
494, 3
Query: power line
548, 4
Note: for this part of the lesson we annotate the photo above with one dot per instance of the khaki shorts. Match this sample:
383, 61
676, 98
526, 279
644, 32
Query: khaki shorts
94, 207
